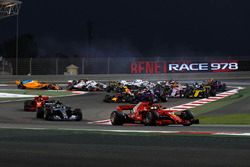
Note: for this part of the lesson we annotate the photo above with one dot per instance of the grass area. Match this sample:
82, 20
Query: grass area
223, 119
222, 102
236, 119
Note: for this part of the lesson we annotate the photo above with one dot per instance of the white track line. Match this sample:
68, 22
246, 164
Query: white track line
4, 85
140, 131
74, 93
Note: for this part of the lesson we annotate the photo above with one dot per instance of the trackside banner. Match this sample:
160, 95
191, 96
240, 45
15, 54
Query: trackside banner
157, 67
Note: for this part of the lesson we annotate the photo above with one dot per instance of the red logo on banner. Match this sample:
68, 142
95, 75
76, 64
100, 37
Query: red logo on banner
148, 67
156, 67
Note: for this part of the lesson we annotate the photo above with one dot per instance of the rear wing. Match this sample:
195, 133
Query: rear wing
125, 107
45, 98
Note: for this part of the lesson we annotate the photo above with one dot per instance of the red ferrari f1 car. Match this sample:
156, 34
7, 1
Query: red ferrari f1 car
37, 102
151, 114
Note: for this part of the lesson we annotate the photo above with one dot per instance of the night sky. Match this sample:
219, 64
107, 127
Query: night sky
137, 27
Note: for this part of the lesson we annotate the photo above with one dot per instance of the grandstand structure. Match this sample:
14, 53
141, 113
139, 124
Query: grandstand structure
9, 8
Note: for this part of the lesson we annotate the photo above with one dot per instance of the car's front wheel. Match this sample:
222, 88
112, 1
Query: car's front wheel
78, 114
151, 118
48, 115
117, 118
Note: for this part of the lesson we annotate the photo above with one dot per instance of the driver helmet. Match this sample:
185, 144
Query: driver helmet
58, 103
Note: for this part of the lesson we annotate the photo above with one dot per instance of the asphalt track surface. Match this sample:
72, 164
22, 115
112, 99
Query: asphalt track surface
24, 148
81, 148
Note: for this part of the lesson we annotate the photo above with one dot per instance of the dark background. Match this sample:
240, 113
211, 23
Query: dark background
133, 27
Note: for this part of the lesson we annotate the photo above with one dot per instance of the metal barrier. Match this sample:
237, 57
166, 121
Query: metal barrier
57, 66
109, 77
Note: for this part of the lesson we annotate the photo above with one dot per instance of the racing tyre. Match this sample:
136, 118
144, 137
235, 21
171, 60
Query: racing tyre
50, 87
108, 89
205, 95
69, 87
182, 94
187, 123
164, 98
29, 105
48, 115
188, 93
187, 116
117, 118
223, 88
107, 99
151, 118
213, 92
40, 113
20, 86
78, 114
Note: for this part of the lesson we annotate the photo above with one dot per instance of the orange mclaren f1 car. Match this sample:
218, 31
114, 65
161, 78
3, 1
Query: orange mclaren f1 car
34, 84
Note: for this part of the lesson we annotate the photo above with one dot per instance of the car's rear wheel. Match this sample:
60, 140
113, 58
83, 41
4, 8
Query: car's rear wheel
51, 87
213, 92
187, 116
69, 87
187, 123
40, 113
164, 98
223, 88
117, 118
108, 89
29, 104
21, 86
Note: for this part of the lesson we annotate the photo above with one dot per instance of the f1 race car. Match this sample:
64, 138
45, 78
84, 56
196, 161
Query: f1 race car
85, 85
121, 86
119, 98
151, 114
56, 111
134, 98
217, 85
37, 102
199, 91
34, 84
